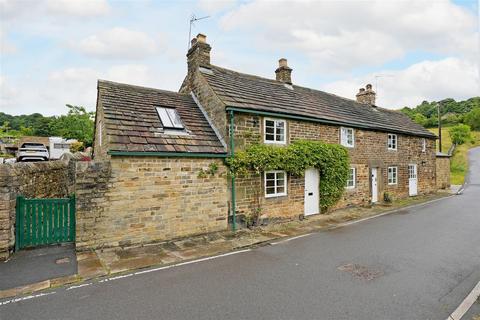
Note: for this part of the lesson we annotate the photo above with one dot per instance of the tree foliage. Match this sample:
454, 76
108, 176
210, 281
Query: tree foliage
460, 134
330, 159
473, 119
451, 111
76, 124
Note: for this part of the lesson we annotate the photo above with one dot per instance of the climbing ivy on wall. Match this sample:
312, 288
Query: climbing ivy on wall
330, 159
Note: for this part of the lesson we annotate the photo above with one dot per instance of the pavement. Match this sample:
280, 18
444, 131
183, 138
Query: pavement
31, 266
417, 263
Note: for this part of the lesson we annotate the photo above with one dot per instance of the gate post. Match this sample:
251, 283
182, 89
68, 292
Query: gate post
18, 222
73, 218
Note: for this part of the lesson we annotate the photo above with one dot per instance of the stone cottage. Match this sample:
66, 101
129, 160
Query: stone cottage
147, 133
158, 168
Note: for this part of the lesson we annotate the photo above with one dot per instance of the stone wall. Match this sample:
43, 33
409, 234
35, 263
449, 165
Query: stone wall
443, 172
370, 150
138, 200
31, 180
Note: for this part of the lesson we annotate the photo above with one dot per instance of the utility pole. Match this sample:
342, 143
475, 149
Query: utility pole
439, 128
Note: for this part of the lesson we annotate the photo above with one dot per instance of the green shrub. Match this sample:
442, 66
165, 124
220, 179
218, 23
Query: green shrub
330, 159
473, 119
460, 134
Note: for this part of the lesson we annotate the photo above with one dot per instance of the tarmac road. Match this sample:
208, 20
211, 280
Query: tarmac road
415, 264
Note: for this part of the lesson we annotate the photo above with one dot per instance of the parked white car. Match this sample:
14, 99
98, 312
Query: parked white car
30, 151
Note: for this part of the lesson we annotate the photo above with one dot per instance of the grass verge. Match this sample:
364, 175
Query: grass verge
459, 161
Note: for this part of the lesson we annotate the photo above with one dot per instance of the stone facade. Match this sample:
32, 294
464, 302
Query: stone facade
137, 200
443, 171
370, 150
31, 180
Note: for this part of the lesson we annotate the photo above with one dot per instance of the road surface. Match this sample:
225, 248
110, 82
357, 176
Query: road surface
415, 264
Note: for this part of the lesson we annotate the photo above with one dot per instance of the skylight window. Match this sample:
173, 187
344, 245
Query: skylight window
170, 118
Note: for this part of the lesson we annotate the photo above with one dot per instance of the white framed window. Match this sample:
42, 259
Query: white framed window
351, 179
347, 137
170, 118
274, 131
392, 141
424, 145
275, 183
392, 175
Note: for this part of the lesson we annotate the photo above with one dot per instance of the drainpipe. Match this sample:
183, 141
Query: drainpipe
232, 155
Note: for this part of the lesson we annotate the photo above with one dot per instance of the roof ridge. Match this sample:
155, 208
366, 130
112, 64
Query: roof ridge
294, 85
133, 86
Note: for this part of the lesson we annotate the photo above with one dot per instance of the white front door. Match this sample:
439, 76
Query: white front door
412, 179
374, 185
312, 196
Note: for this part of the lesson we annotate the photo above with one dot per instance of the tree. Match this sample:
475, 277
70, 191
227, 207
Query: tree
420, 119
460, 134
77, 124
473, 119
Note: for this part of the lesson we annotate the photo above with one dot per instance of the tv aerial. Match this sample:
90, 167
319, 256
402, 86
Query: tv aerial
193, 19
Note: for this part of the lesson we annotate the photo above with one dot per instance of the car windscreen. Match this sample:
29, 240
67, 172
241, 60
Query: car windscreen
32, 145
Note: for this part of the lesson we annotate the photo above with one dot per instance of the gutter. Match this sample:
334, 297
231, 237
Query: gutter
232, 155
167, 154
325, 121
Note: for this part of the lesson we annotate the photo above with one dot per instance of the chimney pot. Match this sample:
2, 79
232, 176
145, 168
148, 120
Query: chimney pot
361, 90
282, 62
369, 87
201, 38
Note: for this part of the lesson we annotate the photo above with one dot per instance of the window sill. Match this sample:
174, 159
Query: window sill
275, 195
274, 142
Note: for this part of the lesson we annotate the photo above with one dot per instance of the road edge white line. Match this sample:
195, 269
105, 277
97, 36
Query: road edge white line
466, 304
344, 224
290, 239
26, 298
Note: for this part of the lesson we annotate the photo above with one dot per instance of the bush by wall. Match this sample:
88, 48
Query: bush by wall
330, 159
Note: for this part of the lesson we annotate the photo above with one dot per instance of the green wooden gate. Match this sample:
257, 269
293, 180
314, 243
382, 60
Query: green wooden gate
44, 221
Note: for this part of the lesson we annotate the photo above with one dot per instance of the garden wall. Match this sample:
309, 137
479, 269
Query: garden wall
32, 180
137, 200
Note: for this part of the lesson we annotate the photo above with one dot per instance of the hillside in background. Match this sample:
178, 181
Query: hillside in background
451, 111
76, 124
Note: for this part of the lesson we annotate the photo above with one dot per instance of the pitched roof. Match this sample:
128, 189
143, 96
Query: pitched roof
260, 94
132, 122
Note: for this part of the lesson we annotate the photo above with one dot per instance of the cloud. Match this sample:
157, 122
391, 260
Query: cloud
7, 92
119, 43
339, 36
5, 46
80, 8
214, 6
426, 80
76, 86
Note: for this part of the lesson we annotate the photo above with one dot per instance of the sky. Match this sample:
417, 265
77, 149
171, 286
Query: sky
53, 51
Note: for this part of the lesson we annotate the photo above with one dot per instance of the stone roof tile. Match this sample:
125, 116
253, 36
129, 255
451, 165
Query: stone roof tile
132, 122
260, 94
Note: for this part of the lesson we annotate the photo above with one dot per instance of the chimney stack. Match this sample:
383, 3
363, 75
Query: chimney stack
197, 56
283, 72
366, 96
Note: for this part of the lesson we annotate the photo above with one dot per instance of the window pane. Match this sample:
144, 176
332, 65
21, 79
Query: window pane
175, 118
270, 183
166, 122
270, 137
280, 175
270, 175
280, 124
270, 130
280, 189
279, 137
269, 123
270, 190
